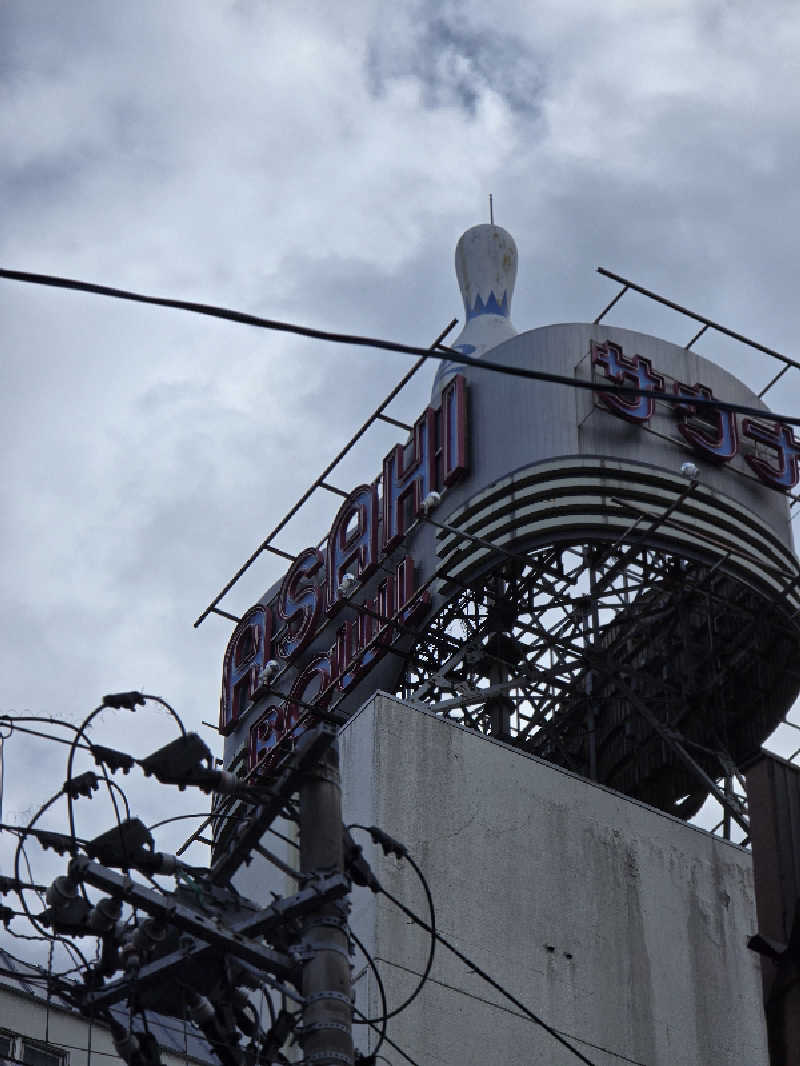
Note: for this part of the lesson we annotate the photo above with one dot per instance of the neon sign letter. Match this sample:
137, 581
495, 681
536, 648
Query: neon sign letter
276, 730
353, 540
637, 371
248, 650
783, 440
303, 691
715, 437
452, 435
371, 631
434, 458
360, 643
300, 602
405, 487
264, 733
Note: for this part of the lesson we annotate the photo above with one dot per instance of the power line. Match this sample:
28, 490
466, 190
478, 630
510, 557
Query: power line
389, 845
490, 980
12, 722
387, 1039
437, 350
379, 837
441, 352
210, 912
394, 847
507, 1010
383, 1020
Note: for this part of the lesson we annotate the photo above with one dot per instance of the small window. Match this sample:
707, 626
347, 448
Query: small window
6, 1046
42, 1055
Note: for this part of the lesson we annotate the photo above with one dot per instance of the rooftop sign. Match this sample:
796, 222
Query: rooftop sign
369, 529
711, 433
541, 465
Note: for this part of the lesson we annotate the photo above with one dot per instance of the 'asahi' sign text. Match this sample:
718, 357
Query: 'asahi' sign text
371, 525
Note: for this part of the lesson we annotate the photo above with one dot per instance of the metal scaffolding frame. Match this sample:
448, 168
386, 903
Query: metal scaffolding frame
650, 672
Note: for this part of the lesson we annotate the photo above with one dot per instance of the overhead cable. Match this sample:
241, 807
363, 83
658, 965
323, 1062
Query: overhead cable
389, 845
531, 1015
389, 1041
383, 1019
441, 352
507, 1010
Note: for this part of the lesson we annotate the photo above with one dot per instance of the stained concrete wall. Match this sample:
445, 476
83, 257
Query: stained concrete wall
623, 928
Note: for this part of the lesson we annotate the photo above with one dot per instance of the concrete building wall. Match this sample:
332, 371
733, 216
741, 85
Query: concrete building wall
620, 926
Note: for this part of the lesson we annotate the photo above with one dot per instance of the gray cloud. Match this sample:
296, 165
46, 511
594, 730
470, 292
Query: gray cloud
455, 57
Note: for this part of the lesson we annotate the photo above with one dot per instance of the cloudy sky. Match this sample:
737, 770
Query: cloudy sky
317, 162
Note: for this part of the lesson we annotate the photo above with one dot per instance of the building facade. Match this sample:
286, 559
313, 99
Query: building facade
39, 1031
562, 616
622, 927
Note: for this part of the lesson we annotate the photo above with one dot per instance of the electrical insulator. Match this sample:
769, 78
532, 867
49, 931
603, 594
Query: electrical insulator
244, 1013
227, 783
105, 914
129, 955
164, 863
68, 911
200, 1010
61, 893
149, 935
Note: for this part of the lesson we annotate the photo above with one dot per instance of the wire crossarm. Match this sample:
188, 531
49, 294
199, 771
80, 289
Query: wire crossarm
261, 923
178, 915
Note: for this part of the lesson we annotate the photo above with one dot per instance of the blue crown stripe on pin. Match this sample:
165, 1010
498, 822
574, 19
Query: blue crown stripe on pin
491, 307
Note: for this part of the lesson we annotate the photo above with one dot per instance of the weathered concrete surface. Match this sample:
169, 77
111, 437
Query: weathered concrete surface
618, 925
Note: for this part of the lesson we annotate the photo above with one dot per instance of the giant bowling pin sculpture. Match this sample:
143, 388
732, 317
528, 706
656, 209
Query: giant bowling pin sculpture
486, 268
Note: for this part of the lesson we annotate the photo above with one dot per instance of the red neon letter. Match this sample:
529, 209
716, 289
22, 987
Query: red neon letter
264, 734
453, 432
300, 602
248, 650
637, 371
304, 694
409, 605
715, 436
783, 441
408, 480
376, 631
353, 540
279, 727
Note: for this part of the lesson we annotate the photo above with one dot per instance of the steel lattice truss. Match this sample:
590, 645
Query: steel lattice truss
654, 674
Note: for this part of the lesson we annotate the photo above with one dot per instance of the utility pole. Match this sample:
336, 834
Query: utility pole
204, 947
327, 1034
